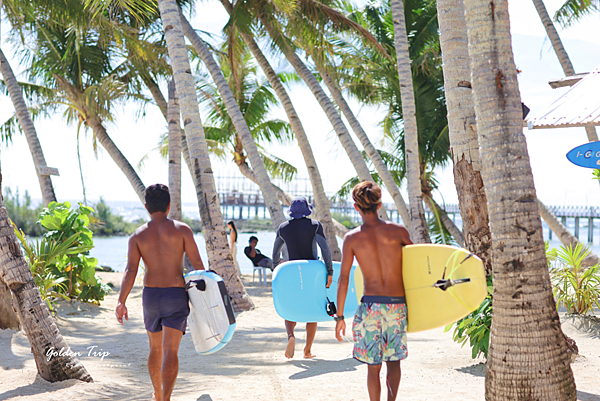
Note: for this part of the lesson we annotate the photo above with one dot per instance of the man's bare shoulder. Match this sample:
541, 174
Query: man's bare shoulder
182, 227
396, 227
140, 230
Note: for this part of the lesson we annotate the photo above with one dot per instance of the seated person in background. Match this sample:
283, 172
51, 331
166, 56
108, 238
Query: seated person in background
257, 258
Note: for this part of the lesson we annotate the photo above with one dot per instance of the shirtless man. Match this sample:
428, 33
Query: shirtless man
379, 327
161, 243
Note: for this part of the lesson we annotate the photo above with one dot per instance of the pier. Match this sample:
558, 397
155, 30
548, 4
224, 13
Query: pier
241, 199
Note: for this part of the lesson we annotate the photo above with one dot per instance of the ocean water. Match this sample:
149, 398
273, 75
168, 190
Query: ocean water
112, 251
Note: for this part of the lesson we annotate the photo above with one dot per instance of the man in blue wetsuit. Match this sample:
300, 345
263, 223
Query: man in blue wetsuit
301, 236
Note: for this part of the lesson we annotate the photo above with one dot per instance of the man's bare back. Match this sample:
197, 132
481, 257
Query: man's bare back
161, 243
377, 246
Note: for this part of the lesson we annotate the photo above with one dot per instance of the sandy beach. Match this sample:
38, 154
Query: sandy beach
252, 366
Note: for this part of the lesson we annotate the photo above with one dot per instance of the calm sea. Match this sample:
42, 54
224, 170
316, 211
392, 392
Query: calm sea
112, 251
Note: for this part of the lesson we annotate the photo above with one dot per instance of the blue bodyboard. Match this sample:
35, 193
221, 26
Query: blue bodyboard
299, 292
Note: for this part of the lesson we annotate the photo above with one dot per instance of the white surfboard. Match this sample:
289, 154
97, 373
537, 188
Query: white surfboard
211, 320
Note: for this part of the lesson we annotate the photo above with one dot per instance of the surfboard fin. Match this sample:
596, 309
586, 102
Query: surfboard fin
445, 284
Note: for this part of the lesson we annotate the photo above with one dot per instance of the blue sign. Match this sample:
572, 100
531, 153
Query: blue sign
587, 155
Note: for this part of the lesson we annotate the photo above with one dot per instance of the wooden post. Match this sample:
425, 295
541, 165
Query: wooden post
591, 230
577, 227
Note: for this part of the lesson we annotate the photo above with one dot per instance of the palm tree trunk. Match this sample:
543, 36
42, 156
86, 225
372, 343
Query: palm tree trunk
332, 114
411, 140
527, 357
239, 123
8, 316
561, 53
138, 186
40, 328
446, 221
24, 118
563, 234
463, 130
373, 154
157, 95
217, 247
174, 153
321, 201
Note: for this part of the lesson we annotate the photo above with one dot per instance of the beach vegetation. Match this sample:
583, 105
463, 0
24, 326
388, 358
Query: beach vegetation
60, 261
345, 219
104, 222
574, 286
476, 326
23, 213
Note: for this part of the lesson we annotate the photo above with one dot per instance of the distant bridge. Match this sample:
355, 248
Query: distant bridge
241, 199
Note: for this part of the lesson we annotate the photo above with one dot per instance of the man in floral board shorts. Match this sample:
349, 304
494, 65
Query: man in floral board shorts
379, 327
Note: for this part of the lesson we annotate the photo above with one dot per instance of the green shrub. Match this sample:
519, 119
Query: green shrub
345, 219
60, 261
104, 222
574, 286
476, 326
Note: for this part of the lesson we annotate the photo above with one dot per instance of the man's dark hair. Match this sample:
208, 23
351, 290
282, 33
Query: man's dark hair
252, 239
157, 198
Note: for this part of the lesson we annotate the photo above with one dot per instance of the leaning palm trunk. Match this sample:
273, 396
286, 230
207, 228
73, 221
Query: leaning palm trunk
561, 53
95, 123
321, 201
527, 357
107, 143
339, 229
239, 123
332, 114
24, 118
8, 316
563, 234
440, 213
174, 153
411, 139
41, 330
220, 258
373, 154
462, 130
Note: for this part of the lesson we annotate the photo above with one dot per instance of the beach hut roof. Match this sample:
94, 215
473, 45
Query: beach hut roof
578, 107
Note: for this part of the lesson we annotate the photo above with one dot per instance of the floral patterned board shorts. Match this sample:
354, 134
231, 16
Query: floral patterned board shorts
379, 330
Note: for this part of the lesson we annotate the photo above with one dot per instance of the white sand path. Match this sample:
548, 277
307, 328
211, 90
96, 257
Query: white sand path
253, 366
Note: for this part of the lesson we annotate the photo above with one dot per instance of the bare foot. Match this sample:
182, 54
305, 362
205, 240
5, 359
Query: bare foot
308, 355
154, 397
289, 350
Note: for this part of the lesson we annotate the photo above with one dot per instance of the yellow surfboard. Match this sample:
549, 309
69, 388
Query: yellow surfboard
442, 284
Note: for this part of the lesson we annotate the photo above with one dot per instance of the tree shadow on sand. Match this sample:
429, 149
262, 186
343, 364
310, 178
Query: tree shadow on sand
9, 360
475, 370
586, 324
38, 386
583, 396
320, 367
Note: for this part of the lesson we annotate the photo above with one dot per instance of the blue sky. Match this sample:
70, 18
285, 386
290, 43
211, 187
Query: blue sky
557, 181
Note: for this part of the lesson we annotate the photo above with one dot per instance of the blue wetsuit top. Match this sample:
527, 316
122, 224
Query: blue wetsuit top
301, 237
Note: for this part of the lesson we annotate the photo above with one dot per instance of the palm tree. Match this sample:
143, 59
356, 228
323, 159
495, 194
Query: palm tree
463, 130
527, 356
174, 153
575, 10
29, 129
40, 328
322, 203
271, 201
264, 14
219, 253
411, 141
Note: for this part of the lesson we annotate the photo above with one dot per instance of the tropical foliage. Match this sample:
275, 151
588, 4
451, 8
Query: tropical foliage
575, 287
60, 261
475, 327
